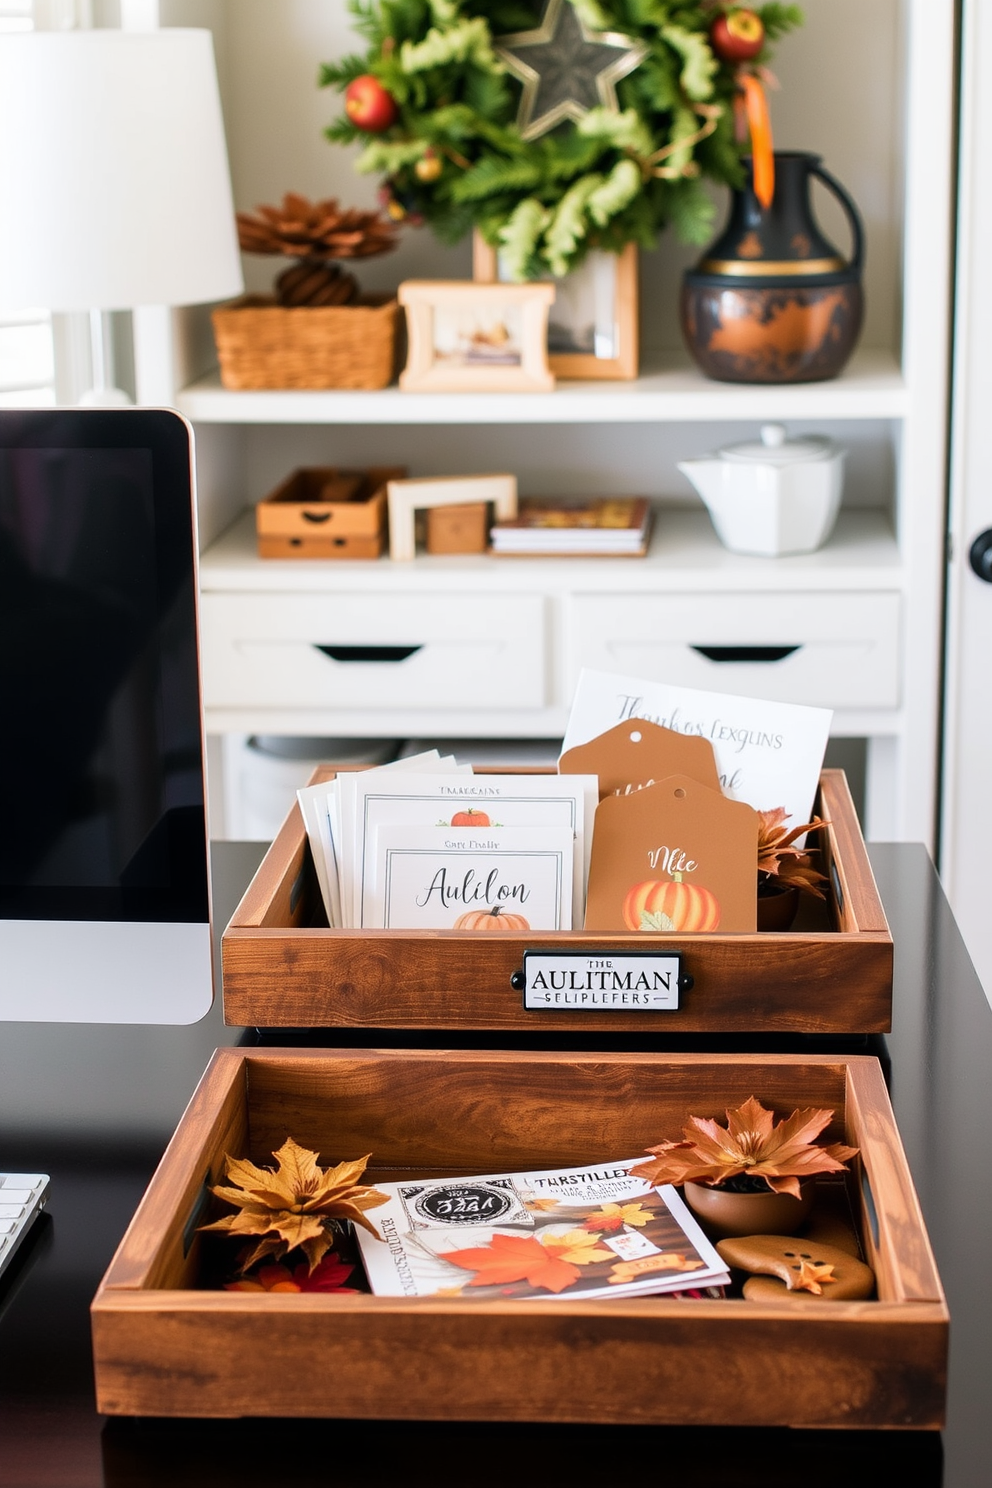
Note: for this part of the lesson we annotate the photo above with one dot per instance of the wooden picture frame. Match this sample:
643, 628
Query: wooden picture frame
476, 337
407, 497
584, 365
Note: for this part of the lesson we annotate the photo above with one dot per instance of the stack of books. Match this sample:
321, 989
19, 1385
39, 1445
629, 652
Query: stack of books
615, 526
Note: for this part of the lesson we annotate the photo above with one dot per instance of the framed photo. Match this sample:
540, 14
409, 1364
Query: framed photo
407, 497
467, 337
592, 327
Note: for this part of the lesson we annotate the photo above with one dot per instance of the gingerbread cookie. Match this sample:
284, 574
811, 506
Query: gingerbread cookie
786, 1269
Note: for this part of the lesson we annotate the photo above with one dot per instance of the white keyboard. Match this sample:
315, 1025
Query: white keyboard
22, 1198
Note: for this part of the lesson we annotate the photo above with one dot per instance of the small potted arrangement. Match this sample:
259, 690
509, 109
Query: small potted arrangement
753, 1176
785, 871
317, 330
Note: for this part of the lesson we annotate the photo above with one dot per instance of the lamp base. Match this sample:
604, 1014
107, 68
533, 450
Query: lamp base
105, 397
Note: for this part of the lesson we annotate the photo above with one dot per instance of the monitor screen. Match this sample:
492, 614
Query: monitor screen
101, 768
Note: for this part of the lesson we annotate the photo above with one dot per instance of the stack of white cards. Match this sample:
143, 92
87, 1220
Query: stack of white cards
426, 844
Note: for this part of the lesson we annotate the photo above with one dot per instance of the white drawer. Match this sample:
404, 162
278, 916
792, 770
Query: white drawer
827, 649
453, 651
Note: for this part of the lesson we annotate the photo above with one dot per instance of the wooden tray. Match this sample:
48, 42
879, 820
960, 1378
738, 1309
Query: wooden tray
162, 1348
284, 968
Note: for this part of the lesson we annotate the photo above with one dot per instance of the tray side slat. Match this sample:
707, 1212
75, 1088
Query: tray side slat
903, 1259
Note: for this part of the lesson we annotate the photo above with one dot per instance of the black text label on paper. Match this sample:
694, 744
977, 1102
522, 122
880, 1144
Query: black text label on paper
618, 982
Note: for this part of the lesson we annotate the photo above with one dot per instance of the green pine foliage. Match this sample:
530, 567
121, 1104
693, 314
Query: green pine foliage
609, 180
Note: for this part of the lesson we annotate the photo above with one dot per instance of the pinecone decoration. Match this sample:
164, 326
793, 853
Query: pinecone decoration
315, 233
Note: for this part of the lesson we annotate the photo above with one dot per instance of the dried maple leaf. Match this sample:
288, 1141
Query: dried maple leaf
615, 1216
292, 1205
811, 1276
578, 1247
750, 1145
514, 1258
779, 858
656, 920
539, 1206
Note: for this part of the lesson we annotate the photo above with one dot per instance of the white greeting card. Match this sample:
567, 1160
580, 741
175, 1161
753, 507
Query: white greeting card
320, 807
465, 804
767, 754
481, 879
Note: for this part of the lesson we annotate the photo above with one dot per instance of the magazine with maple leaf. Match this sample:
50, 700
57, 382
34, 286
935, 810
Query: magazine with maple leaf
563, 1232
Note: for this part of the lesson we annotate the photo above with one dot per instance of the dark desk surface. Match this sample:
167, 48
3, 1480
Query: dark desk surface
94, 1108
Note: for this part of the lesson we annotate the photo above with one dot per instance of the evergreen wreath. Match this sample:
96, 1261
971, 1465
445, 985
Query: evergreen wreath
453, 155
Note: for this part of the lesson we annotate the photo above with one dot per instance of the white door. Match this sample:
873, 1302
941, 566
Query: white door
966, 837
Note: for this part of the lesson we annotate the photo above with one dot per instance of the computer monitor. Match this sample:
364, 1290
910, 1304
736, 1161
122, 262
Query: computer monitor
104, 872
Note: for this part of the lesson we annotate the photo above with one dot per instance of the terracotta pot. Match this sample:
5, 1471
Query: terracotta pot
725, 1213
772, 300
777, 907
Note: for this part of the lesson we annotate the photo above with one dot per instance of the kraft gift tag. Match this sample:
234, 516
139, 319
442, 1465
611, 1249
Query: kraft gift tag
674, 856
638, 753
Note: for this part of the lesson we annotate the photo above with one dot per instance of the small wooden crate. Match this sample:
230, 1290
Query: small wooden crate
323, 512
284, 968
162, 1348
261, 344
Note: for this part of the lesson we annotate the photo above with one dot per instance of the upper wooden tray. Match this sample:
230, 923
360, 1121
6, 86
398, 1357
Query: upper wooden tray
284, 968
163, 1348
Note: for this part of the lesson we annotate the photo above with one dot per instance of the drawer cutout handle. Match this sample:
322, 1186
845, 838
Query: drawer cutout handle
316, 516
388, 654
746, 653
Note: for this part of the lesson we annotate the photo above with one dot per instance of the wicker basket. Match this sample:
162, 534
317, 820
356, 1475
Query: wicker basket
264, 345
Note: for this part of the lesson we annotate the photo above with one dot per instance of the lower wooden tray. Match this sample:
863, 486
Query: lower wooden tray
163, 1348
283, 967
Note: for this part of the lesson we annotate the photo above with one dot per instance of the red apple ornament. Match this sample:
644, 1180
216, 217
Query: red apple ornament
368, 105
737, 35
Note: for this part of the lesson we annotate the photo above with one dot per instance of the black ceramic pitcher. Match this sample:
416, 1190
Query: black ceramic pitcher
772, 300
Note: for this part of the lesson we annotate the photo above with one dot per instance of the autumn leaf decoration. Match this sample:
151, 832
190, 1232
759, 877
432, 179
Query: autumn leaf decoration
610, 1217
751, 1146
294, 1204
550, 1263
778, 856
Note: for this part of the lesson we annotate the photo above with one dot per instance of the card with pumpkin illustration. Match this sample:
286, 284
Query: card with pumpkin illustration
466, 804
674, 856
588, 1232
491, 880
637, 753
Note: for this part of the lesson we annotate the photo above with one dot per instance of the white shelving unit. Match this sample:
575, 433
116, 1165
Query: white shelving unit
498, 641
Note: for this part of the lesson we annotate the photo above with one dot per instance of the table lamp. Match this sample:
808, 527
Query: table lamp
114, 183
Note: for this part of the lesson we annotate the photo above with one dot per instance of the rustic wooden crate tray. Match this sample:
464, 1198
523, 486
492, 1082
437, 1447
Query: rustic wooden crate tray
283, 967
163, 1347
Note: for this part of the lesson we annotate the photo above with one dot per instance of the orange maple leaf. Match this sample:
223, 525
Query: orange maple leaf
514, 1258
615, 1216
578, 1247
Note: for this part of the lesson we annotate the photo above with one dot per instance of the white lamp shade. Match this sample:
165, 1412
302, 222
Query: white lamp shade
114, 182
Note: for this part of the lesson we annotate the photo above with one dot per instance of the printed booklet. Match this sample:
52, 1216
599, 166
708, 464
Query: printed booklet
568, 1232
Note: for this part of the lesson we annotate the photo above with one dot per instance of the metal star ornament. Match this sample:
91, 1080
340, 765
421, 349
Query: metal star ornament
565, 68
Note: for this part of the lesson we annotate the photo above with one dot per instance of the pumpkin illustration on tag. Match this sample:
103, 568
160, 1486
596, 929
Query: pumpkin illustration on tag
490, 919
670, 904
470, 818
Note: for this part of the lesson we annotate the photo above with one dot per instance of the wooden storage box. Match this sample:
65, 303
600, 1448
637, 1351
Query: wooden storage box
163, 1348
284, 968
322, 512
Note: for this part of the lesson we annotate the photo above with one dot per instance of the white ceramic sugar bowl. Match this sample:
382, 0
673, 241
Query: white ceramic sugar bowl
774, 497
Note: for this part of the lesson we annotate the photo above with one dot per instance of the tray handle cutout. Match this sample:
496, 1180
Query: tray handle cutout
870, 1208
764, 654
196, 1214
380, 654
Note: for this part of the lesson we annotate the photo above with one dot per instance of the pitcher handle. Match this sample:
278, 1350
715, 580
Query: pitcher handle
853, 215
